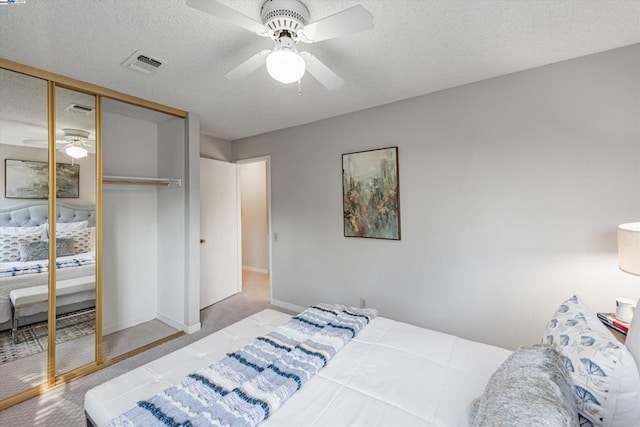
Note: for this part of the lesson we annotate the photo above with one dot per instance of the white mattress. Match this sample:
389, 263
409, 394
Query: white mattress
391, 374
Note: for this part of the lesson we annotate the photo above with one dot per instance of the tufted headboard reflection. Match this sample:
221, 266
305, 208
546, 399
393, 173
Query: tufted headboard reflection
37, 213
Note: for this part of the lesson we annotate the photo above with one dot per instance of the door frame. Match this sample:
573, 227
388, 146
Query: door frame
267, 160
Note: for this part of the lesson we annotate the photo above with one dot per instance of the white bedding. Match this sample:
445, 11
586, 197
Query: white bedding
7, 284
392, 373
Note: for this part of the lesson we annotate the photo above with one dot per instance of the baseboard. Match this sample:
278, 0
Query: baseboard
255, 270
179, 326
287, 306
118, 326
193, 328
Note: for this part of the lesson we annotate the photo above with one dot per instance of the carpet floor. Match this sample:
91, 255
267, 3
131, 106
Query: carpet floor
63, 406
31, 371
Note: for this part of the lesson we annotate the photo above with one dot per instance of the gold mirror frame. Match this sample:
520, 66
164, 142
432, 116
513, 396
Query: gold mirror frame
53, 81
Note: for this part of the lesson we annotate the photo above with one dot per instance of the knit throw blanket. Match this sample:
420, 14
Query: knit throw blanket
248, 385
21, 268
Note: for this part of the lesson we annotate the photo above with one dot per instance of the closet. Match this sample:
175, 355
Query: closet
117, 202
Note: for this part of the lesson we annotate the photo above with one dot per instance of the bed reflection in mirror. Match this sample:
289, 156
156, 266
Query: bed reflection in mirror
23, 233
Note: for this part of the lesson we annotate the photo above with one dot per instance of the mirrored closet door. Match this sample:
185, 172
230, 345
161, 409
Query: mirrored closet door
24, 249
71, 301
75, 224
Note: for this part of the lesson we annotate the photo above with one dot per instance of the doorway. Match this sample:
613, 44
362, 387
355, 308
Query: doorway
253, 177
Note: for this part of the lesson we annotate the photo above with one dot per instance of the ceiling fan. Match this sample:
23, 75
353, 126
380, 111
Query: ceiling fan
76, 143
286, 22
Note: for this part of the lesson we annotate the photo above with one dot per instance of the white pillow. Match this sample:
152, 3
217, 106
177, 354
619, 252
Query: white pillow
21, 231
92, 238
633, 337
604, 373
70, 226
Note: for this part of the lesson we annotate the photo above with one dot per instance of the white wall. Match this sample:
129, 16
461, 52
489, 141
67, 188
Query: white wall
253, 190
87, 189
192, 215
171, 220
130, 223
511, 190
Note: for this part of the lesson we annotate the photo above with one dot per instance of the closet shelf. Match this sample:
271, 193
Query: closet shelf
139, 180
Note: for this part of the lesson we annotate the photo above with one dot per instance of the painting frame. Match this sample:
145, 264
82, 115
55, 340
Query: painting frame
27, 179
371, 194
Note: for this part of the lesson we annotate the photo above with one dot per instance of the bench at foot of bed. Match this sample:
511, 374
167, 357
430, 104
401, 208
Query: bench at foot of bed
25, 297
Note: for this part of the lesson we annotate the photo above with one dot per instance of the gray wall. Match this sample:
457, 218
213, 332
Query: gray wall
215, 148
511, 190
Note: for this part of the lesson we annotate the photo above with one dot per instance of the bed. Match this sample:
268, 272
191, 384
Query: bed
28, 222
392, 373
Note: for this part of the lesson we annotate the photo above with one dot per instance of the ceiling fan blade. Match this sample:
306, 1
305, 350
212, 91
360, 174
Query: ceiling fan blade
248, 66
41, 143
349, 21
227, 14
36, 143
321, 72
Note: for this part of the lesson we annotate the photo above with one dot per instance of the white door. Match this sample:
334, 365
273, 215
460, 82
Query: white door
220, 269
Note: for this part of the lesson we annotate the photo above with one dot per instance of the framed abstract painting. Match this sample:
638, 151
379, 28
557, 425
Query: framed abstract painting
371, 194
26, 179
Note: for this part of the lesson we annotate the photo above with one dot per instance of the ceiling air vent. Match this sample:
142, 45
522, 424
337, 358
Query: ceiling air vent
77, 108
142, 63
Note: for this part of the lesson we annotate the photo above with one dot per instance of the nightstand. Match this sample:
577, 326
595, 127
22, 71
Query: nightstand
617, 327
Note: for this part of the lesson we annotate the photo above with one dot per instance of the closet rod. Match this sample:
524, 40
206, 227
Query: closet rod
138, 180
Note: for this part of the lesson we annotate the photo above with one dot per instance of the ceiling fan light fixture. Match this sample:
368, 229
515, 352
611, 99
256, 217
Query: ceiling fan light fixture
75, 151
285, 65
74, 135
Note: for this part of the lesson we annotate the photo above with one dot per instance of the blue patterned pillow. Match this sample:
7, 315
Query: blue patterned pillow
606, 382
9, 245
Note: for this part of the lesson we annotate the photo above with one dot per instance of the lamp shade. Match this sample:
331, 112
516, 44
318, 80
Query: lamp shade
629, 247
285, 65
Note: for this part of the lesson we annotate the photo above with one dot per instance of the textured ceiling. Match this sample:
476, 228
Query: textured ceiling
416, 47
23, 111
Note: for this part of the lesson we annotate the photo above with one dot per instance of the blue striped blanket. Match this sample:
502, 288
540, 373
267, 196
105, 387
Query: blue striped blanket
248, 385
14, 269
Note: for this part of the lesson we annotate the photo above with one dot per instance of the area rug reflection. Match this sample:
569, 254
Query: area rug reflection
32, 339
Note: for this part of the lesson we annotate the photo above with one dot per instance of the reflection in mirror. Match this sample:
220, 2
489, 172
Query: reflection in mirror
24, 250
142, 266
75, 229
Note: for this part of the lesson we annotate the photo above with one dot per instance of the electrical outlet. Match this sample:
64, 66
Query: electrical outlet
275, 237
363, 302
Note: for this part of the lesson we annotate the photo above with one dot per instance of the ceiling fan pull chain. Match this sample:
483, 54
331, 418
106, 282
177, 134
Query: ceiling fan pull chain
299, 88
